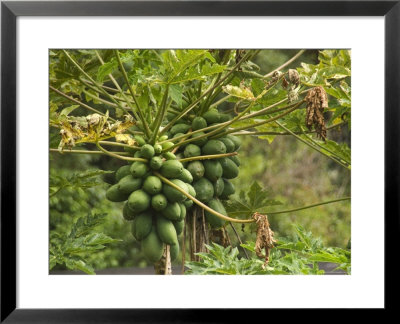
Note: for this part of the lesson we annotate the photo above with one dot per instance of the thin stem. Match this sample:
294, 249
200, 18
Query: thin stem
285, 64
146, 127
100, 99
93, 81
312, 146
220, 101
240, 241
264, 121
320, 146
119, 156
283, 133
199, 203
83, 152
119, 89
160, 115
207, 157
119, 144
308, 206
79, 103
205, 93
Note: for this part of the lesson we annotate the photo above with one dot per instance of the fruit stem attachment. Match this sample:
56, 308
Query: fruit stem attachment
207, 157
119, 156
199, 203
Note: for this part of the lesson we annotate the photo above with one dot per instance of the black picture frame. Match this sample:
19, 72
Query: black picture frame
10, 10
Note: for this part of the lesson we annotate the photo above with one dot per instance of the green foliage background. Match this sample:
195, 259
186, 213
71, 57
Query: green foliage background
292, 173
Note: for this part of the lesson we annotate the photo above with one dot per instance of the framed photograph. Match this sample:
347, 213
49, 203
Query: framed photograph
207, 140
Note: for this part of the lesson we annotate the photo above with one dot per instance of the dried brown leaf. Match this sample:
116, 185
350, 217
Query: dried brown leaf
317, 101
265, 236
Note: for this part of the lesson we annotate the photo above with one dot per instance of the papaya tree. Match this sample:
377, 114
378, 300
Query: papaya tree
176, 119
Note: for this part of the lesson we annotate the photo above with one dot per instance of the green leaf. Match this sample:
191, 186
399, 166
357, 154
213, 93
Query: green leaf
256, 199
175, 91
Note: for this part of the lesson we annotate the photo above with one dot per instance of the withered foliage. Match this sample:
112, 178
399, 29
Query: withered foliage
92, 128
317, 101
265, 236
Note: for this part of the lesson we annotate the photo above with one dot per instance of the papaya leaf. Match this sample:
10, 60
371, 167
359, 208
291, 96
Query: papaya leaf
256, 199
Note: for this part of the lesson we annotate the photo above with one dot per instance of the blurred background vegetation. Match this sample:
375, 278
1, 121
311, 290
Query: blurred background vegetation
292, 172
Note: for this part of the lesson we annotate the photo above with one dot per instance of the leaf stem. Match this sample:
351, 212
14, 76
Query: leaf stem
79, 103
309, 206
285, 64
312, 146
83, 152
160, 115
283, 133
146, 126
207, 157
119, 156
205, 93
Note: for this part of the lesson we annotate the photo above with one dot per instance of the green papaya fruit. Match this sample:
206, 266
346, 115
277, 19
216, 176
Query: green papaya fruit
169, 156
139, 201
179, 128
174, 251
171, 169
229, 189
157, 148
115, 195
172, 211
213, 147
139, 140
147, 151
196, 168
137, 154
127, 213
235, 159
230, 169
200, 141
141, 225
218, 187
156, 163
186, 176
179, 226
163, 138
166, 230
167, 145
129, 184
122, 172
152, 185
174, 195
204, 189
198, 123
236, 140
192, 150
212, 116
230, 146
224, 118
214, 221
159, 202
188, 203
212, 170
183, 211
152, 246
139, 169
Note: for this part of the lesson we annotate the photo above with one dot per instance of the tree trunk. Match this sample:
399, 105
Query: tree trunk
163, 267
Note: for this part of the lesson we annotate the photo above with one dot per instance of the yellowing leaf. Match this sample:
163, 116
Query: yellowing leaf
239, 92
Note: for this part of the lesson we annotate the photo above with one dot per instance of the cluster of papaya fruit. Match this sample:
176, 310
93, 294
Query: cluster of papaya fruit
156, 209
210, 176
